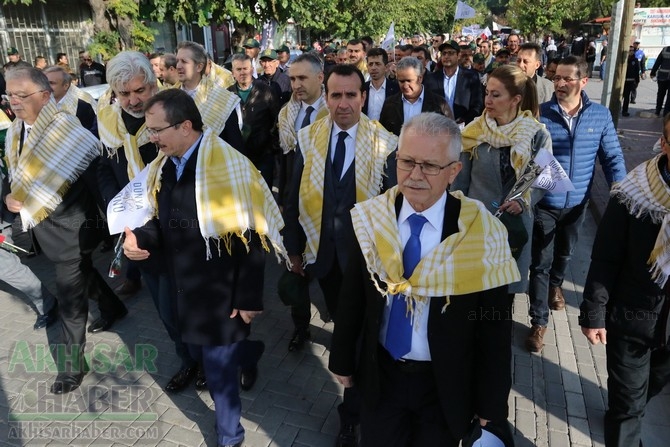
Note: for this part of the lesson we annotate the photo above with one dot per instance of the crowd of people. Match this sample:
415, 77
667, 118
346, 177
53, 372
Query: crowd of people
385, 176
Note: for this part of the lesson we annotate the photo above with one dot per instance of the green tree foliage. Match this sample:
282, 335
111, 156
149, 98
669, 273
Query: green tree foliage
536, 16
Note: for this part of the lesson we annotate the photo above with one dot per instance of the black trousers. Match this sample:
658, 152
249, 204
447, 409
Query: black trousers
636, 373
408, 413
330, 286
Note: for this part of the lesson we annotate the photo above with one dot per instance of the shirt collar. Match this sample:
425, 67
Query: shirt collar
184, 158
351, 131
316, 104
383, 86
434, 215
453, 75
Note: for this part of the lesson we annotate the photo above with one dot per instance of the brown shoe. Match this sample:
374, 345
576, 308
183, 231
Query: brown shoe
535, 340
556, 298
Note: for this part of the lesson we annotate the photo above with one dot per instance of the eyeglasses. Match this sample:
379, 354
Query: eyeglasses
155, 132
407, 164
7, 96
557, 79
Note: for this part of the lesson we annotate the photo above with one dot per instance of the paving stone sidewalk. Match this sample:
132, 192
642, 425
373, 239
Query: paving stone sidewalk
558, 398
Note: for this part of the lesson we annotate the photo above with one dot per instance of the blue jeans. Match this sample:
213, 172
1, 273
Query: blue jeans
555, 234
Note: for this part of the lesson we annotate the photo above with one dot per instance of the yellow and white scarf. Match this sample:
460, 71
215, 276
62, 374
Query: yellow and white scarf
474, 259
114, 135
54, 155
644, 193
215, 103
518, 135
288, 137
231, 196
221, 75
70, 101
373, 146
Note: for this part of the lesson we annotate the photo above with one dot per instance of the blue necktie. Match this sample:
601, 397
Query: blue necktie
340, 151
399, 331
308, 114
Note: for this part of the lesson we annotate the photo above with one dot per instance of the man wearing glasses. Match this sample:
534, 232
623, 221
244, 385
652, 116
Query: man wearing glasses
90, 72
423, 307
48, 153
580, 130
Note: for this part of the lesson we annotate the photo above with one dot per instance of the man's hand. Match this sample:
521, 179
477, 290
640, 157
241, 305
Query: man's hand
130, 248
595, 335
13, 205
246, 315
296, 264
346, 381
512, 207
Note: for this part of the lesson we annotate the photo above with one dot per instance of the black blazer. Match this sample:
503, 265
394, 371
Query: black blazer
87, 116
468, 96
470, 342
392, 88
393, 117
206, 290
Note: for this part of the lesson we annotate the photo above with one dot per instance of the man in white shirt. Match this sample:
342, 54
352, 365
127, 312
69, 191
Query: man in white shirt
378, 88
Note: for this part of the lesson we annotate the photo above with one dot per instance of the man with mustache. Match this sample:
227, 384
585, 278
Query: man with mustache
341, 159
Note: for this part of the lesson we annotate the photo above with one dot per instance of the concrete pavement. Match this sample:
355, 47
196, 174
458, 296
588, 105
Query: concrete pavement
558, 397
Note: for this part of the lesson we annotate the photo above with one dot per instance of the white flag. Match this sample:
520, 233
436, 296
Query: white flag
464, 11
553, 177
389, 41
487, 32
130, 207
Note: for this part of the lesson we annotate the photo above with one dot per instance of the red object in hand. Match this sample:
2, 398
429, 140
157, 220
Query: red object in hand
10, 247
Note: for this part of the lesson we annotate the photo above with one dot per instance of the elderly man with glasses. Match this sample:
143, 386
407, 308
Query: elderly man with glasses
580, 130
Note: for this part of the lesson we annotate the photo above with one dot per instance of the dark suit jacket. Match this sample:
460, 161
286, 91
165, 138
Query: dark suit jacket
393, 117
87, 116
468, 96
470, 342
392, 88
206, 290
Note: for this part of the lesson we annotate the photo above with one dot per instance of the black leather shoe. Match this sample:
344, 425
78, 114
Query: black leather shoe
46, 319
105, 323
248, 377
300, 337
181, 379
65, 384
201, 380
348, 436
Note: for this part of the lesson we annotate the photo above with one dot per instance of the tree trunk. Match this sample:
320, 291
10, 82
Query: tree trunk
124, 27
100, 19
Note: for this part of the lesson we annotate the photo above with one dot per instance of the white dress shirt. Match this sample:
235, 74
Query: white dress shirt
450, 87
303, 109
376, 100
411, 109
431, 236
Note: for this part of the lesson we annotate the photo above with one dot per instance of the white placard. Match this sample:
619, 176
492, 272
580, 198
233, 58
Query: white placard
130, 207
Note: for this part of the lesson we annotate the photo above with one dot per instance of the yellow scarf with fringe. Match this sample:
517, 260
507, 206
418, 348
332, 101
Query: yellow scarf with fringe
288, 136
113, 135
215, 102
373, 145
644, 193
474, 259
54, 155
70, 101
517, 134
230, 194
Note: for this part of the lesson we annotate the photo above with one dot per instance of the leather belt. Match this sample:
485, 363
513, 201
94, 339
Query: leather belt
405, 365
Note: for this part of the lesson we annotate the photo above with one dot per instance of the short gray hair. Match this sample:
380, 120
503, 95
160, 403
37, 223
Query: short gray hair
410, 62
34, 75
126, 66
67, 77
433, 124
240, 57
309, 58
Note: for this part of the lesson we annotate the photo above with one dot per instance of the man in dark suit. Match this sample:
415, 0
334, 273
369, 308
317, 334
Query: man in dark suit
66, 97
339, 160
459, 86
48, 152
378, 88
413, 99
219, 290
435, 345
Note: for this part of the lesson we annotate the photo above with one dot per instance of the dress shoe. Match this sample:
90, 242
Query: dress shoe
556, 298
625, 113
248, 377
105, 323
65, 384
181, 379
535, 340
47, 319
347, 437
129, 287
632, 102
201, 380
300, 337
